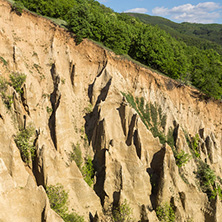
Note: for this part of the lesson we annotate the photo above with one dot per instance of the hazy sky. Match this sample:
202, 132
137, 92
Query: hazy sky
178, 11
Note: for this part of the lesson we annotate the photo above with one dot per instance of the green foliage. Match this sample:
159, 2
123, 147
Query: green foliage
63, 81
53, 8
76, 155
183, 176
17, 80
122, 213
58, 202
206, 177
7, 99
78, 19
84, 136
153, 112
73, 217
88, 172
87, 169
216, 191
58, 199
130, 99
150, 114
162, 118
194, 144
24, 141
157, 133
157, 122
18, 7
202, 36
5, 63
49, 109
170, 138
181, 158
207, 180
3, 84
165, 213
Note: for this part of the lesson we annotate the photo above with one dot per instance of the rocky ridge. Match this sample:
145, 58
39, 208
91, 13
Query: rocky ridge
77, 94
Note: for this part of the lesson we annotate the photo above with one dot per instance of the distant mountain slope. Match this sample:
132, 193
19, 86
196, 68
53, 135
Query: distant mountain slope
204, 36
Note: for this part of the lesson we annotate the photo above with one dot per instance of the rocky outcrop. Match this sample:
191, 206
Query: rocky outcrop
73, 95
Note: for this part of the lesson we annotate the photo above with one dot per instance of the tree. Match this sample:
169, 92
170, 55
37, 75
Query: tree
78, 20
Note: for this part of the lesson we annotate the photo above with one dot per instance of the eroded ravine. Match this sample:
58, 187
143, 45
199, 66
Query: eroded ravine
74, 96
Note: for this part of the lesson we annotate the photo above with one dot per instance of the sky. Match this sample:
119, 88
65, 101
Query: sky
194, 11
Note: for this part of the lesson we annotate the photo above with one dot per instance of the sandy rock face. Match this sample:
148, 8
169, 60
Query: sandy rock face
74, 97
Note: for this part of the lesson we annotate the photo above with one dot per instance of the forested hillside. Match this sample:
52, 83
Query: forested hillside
203, 36
146, 43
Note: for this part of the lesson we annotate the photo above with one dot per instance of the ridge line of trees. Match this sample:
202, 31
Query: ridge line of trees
146, 43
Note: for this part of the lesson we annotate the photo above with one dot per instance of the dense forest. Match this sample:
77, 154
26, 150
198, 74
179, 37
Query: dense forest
203, 36
146, 43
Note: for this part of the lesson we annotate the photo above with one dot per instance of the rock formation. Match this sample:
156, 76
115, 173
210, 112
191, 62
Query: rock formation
74, 96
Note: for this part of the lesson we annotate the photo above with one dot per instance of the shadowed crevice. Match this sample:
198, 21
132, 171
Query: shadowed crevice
137, 143
100, 168
72, 72
131, 130
156, 174
55, 101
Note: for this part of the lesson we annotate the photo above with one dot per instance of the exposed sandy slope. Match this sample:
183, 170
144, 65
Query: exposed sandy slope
73, 95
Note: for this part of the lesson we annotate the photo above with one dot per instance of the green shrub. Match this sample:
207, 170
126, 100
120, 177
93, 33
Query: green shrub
76, 155
24, 141
154, 114
216, 191
206, 177
18, 7
152, 117
165, 213
17, 80
146, 114
183, 176
88, 171
58, 198
162, 118
73, 217
123, 213
157, 133
5, 63
140, 103
181, 158
84, 136
3, 84
49, 110
207, 180
170, 138
7, 100
63, 81
130, 100
195, 143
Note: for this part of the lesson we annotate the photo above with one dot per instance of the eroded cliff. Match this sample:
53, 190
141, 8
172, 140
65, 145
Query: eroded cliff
78, 95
